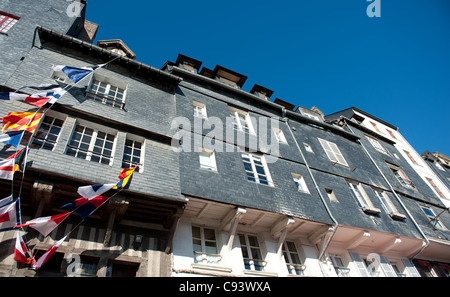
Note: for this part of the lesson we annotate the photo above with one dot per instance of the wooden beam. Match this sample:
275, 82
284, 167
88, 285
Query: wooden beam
390, 245
280, 226
317, 235
357, 240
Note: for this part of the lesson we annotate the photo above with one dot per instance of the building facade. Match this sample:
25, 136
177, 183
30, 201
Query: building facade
227, 183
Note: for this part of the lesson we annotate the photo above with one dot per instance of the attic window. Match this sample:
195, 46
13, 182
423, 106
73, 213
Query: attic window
188, 66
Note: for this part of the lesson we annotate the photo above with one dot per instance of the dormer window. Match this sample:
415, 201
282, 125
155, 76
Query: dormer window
188, 63
229, 77
261, 92
107, 91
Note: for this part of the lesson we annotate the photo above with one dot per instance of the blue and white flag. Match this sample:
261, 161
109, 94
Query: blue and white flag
92, 191
75, 74
12, 138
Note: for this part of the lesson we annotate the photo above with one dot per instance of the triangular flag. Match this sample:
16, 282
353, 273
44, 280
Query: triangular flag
20, 250
124, 176
44, 258
9, 217
12, 138
73, 73
93, 191
45, 225
21, 121
85, 207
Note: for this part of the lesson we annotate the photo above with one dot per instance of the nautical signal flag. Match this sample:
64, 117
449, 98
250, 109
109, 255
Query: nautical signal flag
20, 250
36, 100
92, 191
75, 74
44, 258
12, 164
85, 207
45, 225
9, 216
21, 121
12, 138
125, 176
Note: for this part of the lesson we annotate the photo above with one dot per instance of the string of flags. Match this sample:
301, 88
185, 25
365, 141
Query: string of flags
22, 122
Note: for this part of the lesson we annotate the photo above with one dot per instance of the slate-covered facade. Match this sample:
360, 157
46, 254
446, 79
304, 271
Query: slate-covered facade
229, 182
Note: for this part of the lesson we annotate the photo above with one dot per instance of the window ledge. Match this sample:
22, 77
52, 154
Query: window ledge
397, 216
371, 210
260, 273
211, 267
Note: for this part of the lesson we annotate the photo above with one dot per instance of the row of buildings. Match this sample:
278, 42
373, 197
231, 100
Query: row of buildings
229, 182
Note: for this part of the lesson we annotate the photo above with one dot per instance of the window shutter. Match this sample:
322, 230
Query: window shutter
387, 268
359, 264
410, 268
328, 150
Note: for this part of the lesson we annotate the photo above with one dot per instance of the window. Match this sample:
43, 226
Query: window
47, 134
256, 169
387, 205
103, 91
87, 266
293, 262
361, 198
251, 252
121, 269
438, 191
376, 144
241, 120
331, 195
401, 177
339, 266
207, 160
375, 126
333, 152
432, 217
408, 154
308, 147
397, 269
279, 135
7, 21
199, 109
132, 154
391, 133
205, 245
91, 144
300, 183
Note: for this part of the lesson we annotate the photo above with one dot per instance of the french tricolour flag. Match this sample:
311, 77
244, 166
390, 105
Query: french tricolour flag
45, 225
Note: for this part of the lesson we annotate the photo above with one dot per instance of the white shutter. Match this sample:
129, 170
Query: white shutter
328, 150
359, 264
387, 268
412, 271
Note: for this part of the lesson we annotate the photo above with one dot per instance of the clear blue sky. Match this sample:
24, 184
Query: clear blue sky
326, 53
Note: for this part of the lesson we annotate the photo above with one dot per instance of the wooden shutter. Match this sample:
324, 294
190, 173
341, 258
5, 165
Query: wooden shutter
359, 264
387, 268
412, 271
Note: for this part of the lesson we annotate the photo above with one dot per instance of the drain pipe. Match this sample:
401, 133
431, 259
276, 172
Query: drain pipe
335, 226
393, 191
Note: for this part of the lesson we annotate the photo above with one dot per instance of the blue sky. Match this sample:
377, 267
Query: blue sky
326, 53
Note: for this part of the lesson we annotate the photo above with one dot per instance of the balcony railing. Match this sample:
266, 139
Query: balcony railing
296, 269
207, 258
254, 264
342, 271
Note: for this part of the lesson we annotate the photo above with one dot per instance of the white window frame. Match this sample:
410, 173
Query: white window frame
385, 201
401, 176
253, 159
89, 151
205, 256
104, 98
44, 141
291, 257
361, 197
376, 144
339, 266
239, 115
199, 109
333, 152
279, 135
250, 250
432, 217
300, 182
134, 139
205, 154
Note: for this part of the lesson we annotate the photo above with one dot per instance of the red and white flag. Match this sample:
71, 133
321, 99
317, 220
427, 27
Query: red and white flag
45, 225
8, 216
20, 250
44, 258
7, 169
